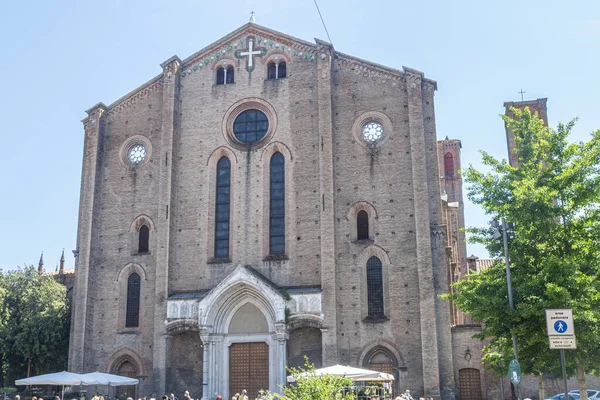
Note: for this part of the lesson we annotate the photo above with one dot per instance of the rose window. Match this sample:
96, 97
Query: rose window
136, 154
372, 131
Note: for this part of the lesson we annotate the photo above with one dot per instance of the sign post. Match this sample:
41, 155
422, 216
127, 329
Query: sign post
514, 372
561, 334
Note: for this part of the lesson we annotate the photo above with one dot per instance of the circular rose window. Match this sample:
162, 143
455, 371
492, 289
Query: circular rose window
372, 131
250, 126
136, 154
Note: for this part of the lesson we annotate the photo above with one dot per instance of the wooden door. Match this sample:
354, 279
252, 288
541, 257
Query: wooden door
248, 368
470, 384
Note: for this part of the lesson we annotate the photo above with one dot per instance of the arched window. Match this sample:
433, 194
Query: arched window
144, 238
132, 316
281, 70
375, 287
272, 71
448, 164
221, 76
225, 75
362, 225
277, 205
222, 208
276, 70
229, 75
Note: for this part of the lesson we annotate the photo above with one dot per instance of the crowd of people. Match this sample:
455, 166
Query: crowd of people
186, 396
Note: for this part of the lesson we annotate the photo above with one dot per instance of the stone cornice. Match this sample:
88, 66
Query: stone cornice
415, 74
131, 98
373, 69
94, 114
233, 38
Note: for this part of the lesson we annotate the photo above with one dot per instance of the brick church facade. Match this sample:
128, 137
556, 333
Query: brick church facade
264, 199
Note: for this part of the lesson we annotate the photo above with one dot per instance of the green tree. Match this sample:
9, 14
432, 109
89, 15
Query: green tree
553, 199
310, 386
34, 321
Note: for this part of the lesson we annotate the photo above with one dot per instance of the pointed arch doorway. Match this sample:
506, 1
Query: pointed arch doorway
248, 360
242, 325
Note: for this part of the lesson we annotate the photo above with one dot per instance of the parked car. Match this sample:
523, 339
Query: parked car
561, 396
593, 394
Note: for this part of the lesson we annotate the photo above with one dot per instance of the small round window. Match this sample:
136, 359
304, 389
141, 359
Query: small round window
372, 131
136, 153
250, 126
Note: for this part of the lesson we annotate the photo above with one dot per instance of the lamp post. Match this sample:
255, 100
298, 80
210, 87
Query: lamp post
507, 230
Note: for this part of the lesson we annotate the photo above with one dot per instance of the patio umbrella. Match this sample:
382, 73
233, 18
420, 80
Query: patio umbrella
58, 378
356, 374
101, 378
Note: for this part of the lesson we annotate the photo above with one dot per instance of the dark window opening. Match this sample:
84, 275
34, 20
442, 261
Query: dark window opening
221, 76
222, 208
250, 126
276, 70
375, 287
282, 70
362, 225
230, 75
132, 316
277, 205
272, 71
144, 238
448, 164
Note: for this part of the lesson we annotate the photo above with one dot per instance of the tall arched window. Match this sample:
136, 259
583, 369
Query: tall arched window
276, 70
229, 75
221, 76
272, 71
222, 212
144, 238
448, 164
132, 316
375, 287
281, 70
277, 205
362, 225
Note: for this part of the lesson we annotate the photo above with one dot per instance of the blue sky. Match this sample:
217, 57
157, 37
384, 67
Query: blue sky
58, 58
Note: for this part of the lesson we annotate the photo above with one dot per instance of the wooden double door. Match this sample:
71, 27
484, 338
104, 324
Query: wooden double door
248, 368
470, 384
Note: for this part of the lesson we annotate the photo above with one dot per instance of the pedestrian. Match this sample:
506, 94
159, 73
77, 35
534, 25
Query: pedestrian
186, 395
219, 397
243, 396
57, 397
17, 397
172, 397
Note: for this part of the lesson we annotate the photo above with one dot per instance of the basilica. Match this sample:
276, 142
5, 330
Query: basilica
264, 199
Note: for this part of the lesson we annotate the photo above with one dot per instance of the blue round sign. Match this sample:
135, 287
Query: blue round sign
560, 326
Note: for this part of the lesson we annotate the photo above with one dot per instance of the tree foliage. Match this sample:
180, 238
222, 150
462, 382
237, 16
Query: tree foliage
310, 386
34, 324
552, 197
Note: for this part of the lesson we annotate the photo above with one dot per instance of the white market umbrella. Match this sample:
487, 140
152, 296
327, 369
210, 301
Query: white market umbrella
356, 374
58, 378
63, 379
101, 378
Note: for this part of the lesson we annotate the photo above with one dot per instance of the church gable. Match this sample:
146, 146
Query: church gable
236, 46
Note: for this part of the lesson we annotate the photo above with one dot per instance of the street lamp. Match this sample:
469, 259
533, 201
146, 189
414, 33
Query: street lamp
506, 230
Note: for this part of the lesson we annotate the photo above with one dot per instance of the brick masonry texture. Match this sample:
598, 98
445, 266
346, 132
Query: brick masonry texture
330, 175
